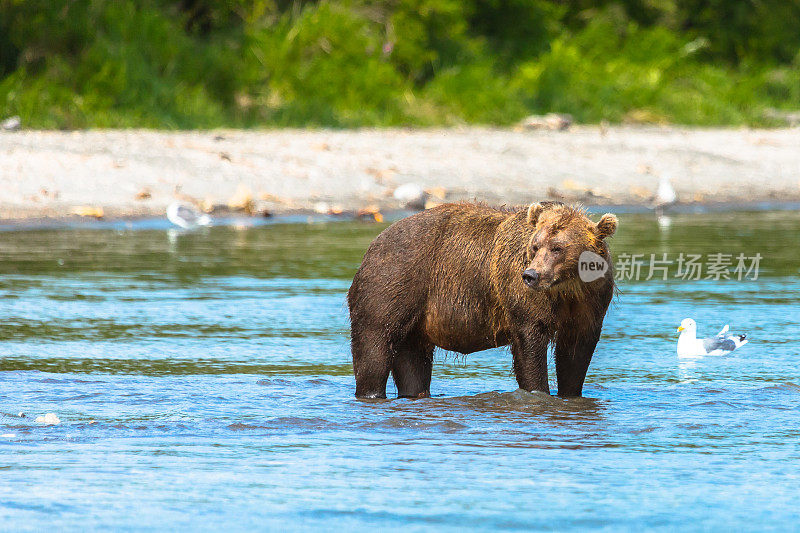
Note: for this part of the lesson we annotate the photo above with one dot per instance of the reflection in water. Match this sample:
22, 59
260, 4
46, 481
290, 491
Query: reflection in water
687, 370
206, 376
532, 403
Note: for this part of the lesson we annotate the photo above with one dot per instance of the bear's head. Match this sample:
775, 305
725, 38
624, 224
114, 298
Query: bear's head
561, 235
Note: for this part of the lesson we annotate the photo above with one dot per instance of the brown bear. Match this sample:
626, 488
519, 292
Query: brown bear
467, 277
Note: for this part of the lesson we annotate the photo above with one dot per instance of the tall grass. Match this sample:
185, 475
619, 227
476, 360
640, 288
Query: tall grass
349, 63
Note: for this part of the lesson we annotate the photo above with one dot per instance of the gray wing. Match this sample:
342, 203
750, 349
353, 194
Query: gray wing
188, 214
718, 343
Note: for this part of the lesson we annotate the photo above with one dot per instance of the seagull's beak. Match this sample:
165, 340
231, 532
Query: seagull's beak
680, 328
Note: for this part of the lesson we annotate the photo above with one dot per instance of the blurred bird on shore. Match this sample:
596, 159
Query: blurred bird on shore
186, 216
665, 195
664, 198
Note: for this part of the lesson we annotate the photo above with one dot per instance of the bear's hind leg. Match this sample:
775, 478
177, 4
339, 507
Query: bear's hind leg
412, 365
372, 361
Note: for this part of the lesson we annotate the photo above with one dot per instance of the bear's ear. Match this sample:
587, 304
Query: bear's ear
607, 226
533, 213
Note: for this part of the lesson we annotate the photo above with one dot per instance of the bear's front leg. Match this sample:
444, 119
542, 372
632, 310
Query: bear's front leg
574, 349
530, 360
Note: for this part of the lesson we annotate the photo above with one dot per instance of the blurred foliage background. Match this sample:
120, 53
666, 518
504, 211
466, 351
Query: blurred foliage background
348, 63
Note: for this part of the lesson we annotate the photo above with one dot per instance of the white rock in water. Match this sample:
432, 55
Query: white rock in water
8, 435
49, 419
11, 124
410, 195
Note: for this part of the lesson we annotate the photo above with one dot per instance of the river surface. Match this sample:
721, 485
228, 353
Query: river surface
203, 380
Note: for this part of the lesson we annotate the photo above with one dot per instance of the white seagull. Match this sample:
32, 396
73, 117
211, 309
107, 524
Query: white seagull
690, 346
664, 198
186, 216
665, 194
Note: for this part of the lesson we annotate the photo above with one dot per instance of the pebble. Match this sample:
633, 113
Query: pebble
370, 212
88, 211
550, 121
144, 194
11, 124
242, 200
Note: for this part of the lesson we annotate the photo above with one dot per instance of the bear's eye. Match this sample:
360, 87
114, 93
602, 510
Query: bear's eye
556, 249
534, 249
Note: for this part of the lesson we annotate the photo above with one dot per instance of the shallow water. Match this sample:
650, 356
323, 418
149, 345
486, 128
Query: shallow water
204, 379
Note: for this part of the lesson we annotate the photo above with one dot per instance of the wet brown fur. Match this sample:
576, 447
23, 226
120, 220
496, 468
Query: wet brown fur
452, 277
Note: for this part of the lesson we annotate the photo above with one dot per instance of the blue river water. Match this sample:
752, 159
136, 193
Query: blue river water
203, 380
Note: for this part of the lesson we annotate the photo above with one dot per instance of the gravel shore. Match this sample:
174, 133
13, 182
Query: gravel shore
128, 173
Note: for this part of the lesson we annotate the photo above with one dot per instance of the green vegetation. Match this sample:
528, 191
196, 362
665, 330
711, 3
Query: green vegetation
346, 63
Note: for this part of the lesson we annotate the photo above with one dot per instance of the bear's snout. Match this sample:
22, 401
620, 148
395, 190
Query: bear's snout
530, 277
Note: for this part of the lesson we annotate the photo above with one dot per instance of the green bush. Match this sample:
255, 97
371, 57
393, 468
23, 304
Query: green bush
322, 67
350, 63
474, 93
605, 72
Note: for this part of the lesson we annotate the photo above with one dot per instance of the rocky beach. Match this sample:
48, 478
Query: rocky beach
137, 173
